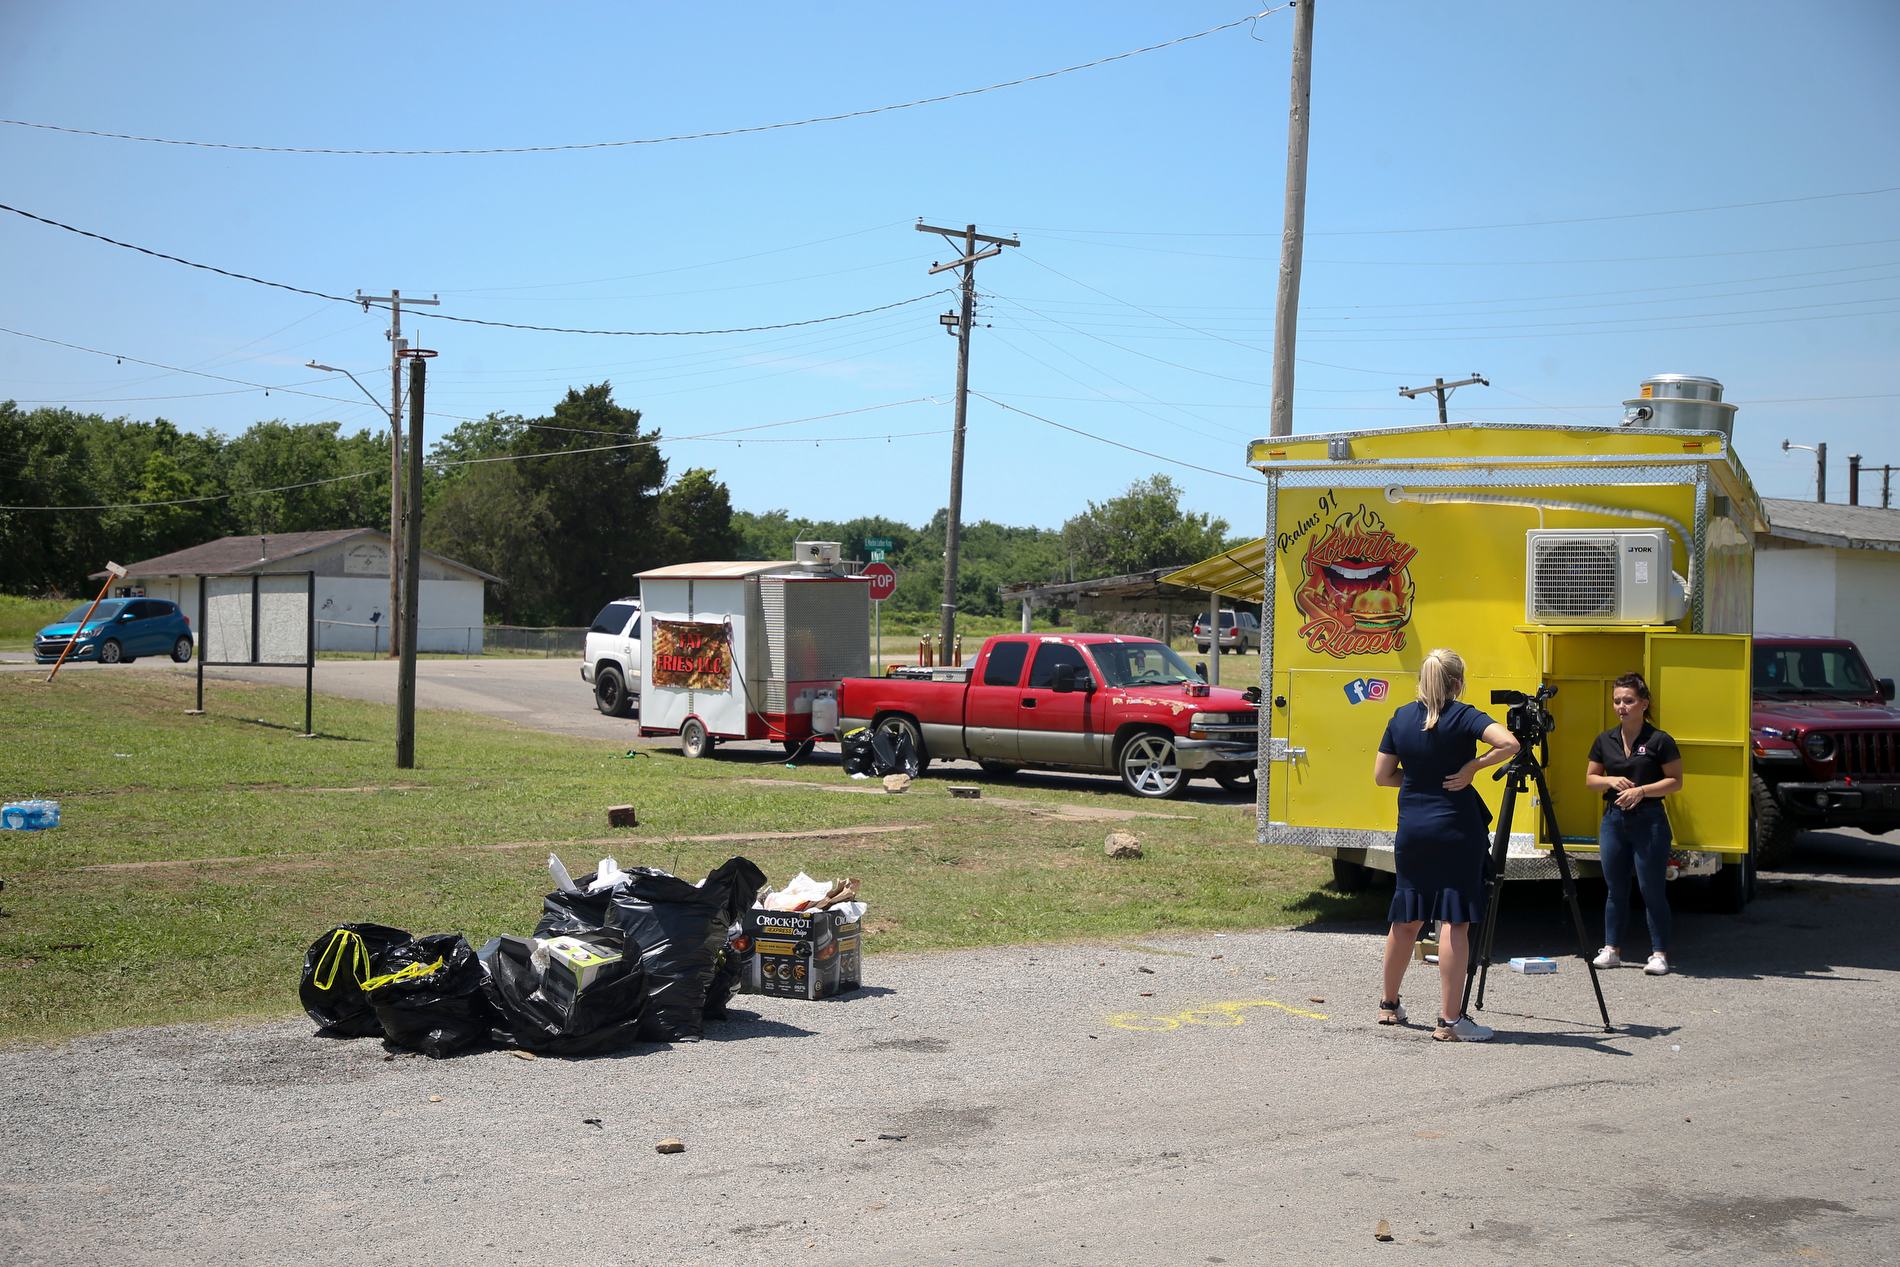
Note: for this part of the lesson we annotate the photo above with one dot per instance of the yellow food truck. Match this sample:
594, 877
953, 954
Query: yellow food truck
1560, 554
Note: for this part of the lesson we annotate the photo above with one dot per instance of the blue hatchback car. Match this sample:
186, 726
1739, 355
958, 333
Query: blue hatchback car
120, 631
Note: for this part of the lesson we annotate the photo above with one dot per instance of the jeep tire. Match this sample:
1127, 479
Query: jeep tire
1774, 829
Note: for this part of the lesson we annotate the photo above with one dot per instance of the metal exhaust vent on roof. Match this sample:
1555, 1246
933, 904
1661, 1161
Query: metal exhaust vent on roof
1601, 577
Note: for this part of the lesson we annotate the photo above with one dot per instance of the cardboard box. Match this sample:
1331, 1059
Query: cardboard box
1533, 966
802, 955
573, 965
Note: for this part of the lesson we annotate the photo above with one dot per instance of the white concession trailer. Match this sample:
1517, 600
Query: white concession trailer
750, 649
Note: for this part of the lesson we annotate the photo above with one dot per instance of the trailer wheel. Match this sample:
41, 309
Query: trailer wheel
694, 741
1774, 832
610, 693
897, 724
1149, 767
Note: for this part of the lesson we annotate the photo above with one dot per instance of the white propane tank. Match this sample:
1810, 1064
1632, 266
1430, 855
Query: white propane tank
824, 713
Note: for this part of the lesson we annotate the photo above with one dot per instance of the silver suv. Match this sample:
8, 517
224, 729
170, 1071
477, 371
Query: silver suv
612, 660
1239, 632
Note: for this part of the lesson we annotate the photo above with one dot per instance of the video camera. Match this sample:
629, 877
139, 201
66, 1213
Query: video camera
1528, 719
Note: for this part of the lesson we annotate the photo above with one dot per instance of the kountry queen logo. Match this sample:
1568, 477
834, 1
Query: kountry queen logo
1356, 593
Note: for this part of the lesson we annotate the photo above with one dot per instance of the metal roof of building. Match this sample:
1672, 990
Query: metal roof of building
263, 553
728, 570
1829, 524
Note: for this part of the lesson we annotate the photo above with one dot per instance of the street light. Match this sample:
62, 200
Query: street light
331, 369
1820, 465
395, 496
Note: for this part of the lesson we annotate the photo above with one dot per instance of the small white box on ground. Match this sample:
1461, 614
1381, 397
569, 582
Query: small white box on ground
1534, 965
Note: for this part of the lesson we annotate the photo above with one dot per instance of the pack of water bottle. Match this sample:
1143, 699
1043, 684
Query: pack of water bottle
29, 815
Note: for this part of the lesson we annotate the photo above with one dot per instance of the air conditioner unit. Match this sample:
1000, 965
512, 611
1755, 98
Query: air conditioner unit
820, 552
1602, 576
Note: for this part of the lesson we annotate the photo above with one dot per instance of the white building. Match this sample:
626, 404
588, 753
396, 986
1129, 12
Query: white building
352, 583
1834, 570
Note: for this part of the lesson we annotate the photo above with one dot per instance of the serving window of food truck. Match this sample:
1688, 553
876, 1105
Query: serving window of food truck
1560, 554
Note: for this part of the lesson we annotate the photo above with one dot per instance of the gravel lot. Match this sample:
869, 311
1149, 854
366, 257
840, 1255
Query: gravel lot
1045, 1112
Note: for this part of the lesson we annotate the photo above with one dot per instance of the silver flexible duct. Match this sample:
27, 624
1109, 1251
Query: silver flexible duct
1397, 493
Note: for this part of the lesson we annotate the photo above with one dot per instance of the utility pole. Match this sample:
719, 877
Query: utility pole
411, 572
396, 346
1443, 391
1886, 487
958, 325
1286, 308
1853, 479
1820, 465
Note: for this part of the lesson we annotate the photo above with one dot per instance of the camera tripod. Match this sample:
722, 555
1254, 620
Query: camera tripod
1521, 770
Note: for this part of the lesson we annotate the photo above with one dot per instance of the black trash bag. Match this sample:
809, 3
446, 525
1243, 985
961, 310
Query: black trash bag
741, 879
541, 1011
858, 756
892, 754
334, 970
564, 913
430, 995
680, 929
729, 976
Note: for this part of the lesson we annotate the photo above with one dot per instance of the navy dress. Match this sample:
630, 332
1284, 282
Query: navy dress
1441, 848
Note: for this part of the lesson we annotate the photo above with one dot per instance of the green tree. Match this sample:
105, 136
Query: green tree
1143, 528
694, 520
493, 519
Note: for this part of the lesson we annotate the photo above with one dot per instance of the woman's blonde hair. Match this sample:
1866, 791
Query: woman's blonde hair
1440, 678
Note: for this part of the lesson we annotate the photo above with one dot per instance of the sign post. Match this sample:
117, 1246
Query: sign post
883, 585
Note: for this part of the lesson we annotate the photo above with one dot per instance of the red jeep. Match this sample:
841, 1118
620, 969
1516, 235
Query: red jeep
1826, 742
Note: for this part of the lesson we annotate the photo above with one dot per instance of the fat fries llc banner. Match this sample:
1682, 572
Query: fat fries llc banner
689, 655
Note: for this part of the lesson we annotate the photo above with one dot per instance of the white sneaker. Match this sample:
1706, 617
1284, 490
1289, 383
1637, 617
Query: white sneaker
1608, 958
1658, 965
1392, 1013
1462, 1030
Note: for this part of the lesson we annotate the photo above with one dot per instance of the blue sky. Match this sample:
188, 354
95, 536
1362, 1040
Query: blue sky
1147, 193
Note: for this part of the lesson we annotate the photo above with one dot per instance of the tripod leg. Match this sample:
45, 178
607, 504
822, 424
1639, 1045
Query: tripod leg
1478, 948
1570, 895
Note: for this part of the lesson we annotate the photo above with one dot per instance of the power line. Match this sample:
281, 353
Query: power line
439, 316
657, 140
525, 457
266, 388
1609, 259
1472, 228
1116, 443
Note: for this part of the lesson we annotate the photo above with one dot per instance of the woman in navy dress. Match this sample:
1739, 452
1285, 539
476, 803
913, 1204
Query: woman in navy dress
1430, 753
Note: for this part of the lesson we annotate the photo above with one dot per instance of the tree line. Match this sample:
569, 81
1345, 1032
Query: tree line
565, 507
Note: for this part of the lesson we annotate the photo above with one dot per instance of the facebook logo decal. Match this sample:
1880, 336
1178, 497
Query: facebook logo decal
1363, 690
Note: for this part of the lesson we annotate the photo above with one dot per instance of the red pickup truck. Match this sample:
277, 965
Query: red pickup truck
1094, 702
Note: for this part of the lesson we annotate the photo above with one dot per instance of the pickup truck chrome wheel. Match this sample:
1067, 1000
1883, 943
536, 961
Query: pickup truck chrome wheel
1149, 768
694, 741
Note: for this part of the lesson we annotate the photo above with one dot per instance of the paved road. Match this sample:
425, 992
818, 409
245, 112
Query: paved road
1054, 1105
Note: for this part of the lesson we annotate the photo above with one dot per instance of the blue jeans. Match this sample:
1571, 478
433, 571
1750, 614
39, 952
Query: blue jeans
1635, 840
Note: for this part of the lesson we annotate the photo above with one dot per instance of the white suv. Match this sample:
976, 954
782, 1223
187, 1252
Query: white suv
612, 660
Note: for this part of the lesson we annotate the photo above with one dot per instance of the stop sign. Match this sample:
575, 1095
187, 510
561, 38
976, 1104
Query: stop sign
883, 581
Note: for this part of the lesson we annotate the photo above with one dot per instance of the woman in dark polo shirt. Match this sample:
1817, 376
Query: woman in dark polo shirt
1634, 765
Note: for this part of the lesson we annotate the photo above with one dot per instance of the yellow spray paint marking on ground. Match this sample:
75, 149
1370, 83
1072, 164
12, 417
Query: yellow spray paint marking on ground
1217, 1014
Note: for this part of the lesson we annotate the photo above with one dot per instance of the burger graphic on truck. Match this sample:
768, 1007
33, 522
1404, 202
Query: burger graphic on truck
1355, 590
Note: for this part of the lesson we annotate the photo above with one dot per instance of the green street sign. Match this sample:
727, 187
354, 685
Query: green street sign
877, 543
877, 556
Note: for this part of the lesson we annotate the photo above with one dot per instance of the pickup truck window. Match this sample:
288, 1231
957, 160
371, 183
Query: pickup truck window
1796, 670
1048, 656
613, 618
1139, 664
1005, 665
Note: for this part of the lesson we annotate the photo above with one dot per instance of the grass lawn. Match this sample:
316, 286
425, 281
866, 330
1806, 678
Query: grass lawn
21, 618
199, 856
